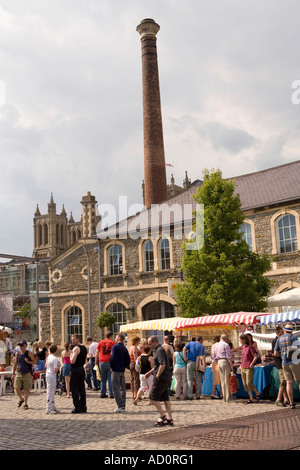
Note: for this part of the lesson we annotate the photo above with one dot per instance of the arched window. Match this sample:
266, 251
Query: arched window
40, 235
164, 254
158, 310
118, 310
57, 234
148, 256
246, 229
46, 234
115, 260
286, 234
73, 318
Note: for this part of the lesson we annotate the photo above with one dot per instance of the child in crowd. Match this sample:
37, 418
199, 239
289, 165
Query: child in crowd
52, 367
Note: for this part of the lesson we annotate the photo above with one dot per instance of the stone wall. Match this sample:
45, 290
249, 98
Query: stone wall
135, 288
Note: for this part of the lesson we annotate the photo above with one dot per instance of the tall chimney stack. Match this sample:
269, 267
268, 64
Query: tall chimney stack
154, 154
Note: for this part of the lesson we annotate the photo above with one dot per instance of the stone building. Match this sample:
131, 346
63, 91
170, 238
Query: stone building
134, 278
131, 269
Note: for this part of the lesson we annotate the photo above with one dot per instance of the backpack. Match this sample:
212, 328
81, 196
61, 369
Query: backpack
138, 364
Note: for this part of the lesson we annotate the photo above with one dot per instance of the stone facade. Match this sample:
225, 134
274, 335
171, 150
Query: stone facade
142, 294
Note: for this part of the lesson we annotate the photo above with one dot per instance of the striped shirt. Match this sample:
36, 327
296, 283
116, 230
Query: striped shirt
221, 351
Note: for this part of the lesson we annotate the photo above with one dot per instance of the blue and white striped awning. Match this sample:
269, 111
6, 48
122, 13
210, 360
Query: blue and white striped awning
280, 317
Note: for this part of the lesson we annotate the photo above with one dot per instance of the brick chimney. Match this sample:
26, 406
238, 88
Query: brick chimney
155, 183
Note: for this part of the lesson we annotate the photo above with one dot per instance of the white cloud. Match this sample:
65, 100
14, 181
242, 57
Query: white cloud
72, 121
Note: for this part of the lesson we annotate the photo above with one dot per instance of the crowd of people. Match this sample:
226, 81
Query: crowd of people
158, 369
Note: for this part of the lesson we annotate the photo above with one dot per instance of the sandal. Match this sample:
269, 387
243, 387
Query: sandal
258, 397
162, 421
26, 407
20, 403
248, 402
170, 422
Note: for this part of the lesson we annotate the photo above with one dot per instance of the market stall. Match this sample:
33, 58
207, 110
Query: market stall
237, 322
156, 327
159, 324
285, 299
230, 320
283, 317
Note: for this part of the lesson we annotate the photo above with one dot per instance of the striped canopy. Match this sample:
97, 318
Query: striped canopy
280, 317
161, 324
248, 318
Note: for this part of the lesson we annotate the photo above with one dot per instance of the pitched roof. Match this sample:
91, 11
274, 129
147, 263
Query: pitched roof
263, 188
269, 187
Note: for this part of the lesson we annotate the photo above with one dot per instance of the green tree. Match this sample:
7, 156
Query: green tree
106, 319
223, 276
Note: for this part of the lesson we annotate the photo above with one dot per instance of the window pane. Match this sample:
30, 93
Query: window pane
73, 323
118, 310
287, 234
164, 254
148, 256
247, 234
115, 260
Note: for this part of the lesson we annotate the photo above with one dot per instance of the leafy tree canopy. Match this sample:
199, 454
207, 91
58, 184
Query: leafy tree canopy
223, 276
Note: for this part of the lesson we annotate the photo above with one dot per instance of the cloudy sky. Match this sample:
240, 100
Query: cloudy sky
71, 98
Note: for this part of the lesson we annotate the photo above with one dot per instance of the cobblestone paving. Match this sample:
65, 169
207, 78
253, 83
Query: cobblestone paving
102, 429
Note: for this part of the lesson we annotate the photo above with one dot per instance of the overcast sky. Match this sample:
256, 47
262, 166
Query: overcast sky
71, 116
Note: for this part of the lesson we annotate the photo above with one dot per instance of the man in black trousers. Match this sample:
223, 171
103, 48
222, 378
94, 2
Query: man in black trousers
77, 384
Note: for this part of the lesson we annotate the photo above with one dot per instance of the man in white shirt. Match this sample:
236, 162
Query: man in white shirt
91, 356
52, 367
222, 354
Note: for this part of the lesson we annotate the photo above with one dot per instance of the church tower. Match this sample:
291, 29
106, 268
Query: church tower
155, 182
50, 231
89, 215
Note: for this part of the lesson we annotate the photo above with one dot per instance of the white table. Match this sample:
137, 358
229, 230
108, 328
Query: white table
2, 374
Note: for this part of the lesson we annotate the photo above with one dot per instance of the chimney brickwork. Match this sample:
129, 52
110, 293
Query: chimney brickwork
155, 183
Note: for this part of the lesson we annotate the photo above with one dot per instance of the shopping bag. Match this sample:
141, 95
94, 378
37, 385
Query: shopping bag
173, 384
98, 373
233, 384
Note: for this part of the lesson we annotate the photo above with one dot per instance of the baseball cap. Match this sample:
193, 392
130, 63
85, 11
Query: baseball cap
22, 343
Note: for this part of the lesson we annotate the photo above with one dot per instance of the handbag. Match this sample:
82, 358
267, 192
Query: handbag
98, 374
200, 364
233, 384
138, 364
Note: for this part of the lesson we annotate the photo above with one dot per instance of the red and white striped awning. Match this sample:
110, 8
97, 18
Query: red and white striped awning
248, 318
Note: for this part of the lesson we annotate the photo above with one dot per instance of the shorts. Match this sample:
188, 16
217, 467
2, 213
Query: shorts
24, 380
282, 378
160, 390
66, 370
247, 378
146, 383
291, 372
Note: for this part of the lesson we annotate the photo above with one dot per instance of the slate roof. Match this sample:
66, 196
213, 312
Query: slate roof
260, 189
269, 187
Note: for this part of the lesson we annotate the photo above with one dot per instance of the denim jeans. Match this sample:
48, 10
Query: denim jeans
94, 375
193, 375
119, 388
105, 377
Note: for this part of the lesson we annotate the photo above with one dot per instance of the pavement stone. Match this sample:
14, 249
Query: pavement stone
102, 429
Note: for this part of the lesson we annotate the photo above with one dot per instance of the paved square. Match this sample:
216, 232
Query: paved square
197, 423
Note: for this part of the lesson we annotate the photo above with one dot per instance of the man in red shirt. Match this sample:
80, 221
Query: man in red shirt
103, 353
